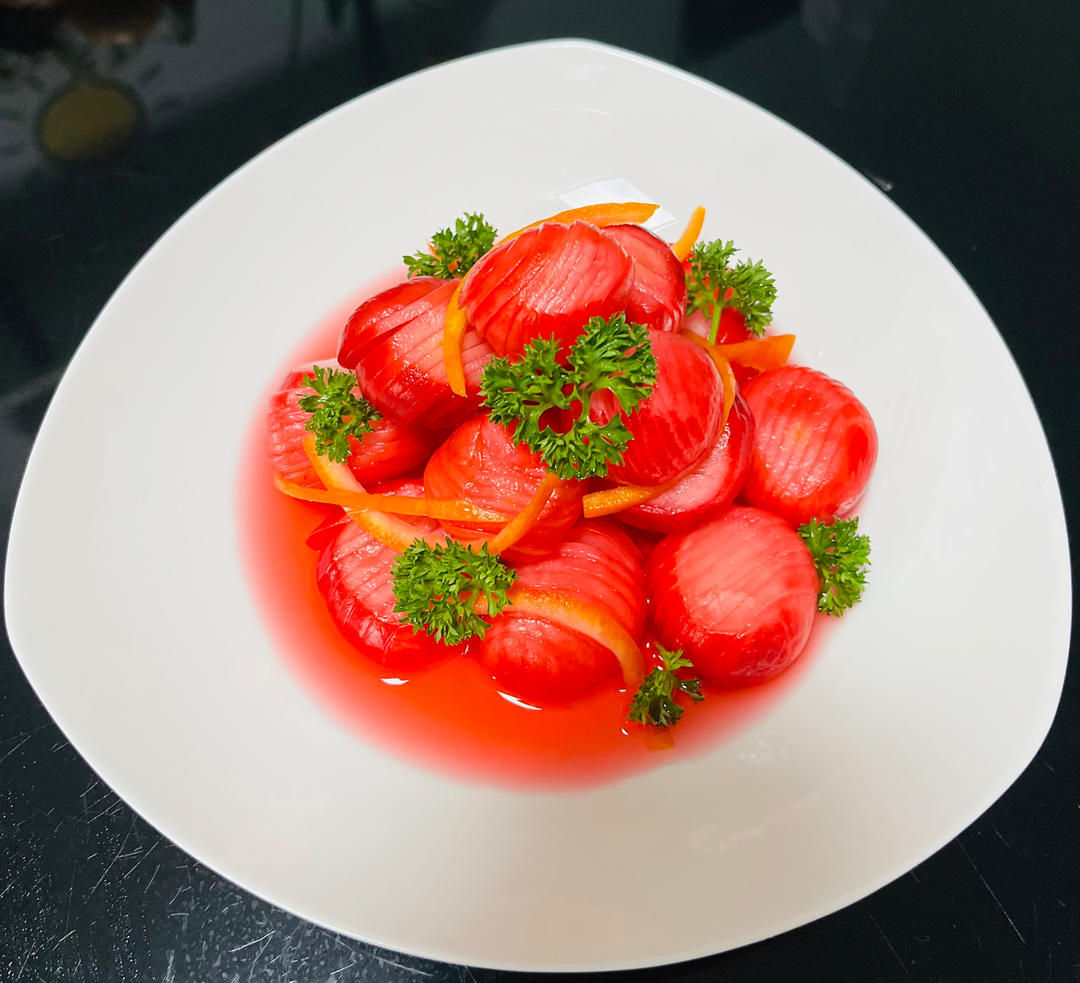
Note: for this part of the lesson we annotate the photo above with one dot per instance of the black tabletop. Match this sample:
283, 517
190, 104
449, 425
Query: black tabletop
116, 116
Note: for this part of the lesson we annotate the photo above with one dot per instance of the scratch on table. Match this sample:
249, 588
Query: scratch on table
141, 859
151, 881
408, 969
9, 753
119, 853
62, 939
990, 891
253, 942
885, 939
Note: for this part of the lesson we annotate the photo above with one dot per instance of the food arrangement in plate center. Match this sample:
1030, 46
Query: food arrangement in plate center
576, 457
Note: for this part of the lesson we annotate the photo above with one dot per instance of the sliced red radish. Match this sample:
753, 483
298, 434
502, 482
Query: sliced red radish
738, 595
391, 448
709, 488
354, 576
396, 349
546, 283
814, 445
480, 463
673, 428
544, 659
657, 296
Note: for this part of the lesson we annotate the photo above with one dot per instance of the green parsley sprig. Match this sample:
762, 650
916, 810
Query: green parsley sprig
654, 702
842, 557
337, 413
454, 251
609, 354
710, 278
437, 589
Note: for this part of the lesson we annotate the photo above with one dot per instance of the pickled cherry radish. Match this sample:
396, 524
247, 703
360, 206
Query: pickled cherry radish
657, 296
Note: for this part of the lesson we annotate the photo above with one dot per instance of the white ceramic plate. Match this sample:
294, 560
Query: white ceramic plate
131, 613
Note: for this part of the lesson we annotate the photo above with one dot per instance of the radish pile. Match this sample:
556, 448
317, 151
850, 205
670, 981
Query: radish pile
530, 452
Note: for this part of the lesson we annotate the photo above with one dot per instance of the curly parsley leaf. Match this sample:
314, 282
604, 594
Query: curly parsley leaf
454, 251
439, 588
610, 355
337, 413
713, 284
842, 557
654, 702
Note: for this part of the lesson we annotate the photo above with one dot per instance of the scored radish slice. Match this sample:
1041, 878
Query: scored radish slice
657, 296
814, 445
738, 595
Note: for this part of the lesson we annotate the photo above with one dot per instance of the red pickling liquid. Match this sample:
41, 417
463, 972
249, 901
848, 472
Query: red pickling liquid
450, 719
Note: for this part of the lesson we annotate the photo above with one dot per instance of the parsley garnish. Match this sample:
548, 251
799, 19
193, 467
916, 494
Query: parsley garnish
654, 702
609, 354
841, 557
438, 589
455, 250
711, 277
337, 413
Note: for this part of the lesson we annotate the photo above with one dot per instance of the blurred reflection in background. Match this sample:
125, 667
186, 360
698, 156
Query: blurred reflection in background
844, 29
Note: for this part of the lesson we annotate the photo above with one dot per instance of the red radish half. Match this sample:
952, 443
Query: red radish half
394, 342
738, 595
541, 660
354, 576
657, 296
391, 448
479, 462
680, 420
709, 488
814, 445
546, 283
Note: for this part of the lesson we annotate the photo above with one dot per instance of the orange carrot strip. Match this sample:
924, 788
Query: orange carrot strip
453, 336
607, 213
453, 509
682, 246
762, 354
589, 619
523, 521
621, 497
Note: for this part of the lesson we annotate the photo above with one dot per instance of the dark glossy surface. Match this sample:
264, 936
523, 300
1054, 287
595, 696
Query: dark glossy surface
963, 113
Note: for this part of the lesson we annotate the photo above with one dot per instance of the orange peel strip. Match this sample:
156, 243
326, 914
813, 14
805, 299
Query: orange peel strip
681, 247
612, 500
762, 354
589, 619
452, 509
518, 526
453, 337
605, 213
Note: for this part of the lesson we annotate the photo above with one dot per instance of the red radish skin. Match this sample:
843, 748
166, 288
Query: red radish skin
657, 295
814, 445
391, 448
544, 662
546, 283
709, 488
394, 342
738, 595
676, 425
479, 462
354, 577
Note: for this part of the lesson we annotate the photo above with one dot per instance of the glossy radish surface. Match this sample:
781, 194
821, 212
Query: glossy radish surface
657, 296
814, 445
391, 448
738, 595
479, 462
546, 283
709, 488
675, 426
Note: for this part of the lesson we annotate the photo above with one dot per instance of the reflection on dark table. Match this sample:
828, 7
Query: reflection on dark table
116, 116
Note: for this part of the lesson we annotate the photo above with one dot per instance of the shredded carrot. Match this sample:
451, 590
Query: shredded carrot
518, 526
606, 213
682, 246
589, 619
453, 336
621, 497
762, 354
452, 509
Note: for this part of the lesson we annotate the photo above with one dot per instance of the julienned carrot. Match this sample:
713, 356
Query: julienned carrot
523, 521
452, 509
453, 336
612, 500
606, 213
762, 354
682, 246
723, 366
589, 619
